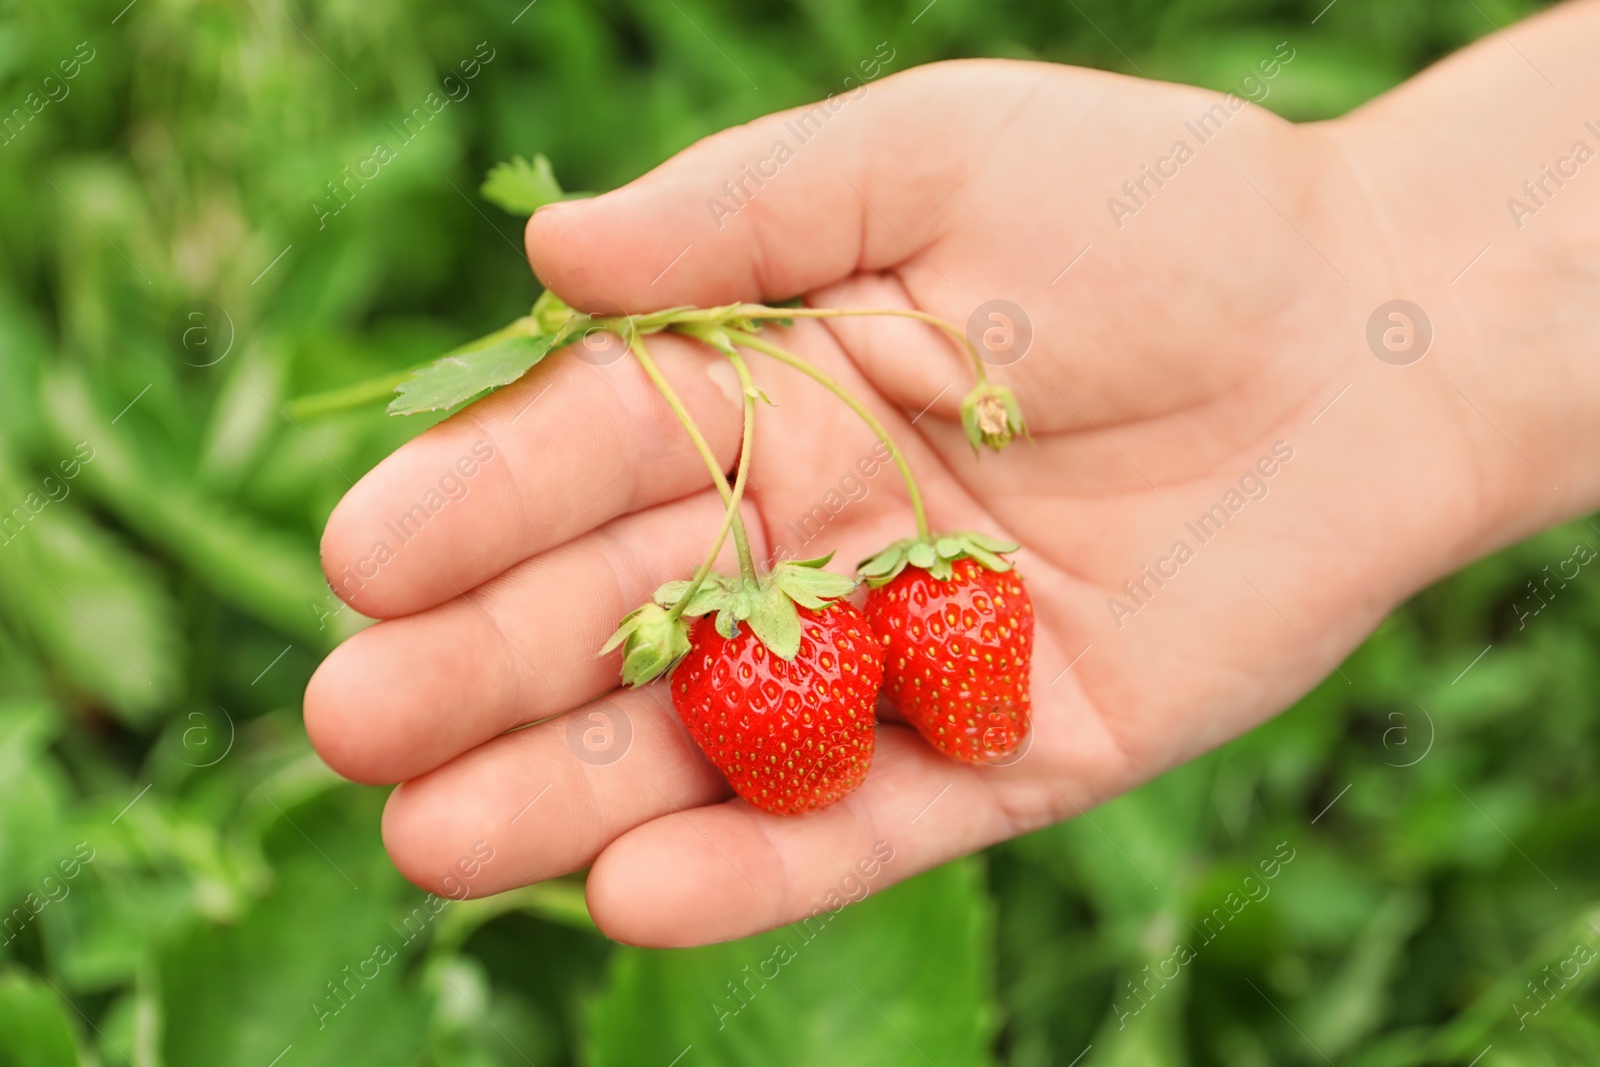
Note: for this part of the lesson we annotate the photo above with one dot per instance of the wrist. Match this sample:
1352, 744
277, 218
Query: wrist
1487, 196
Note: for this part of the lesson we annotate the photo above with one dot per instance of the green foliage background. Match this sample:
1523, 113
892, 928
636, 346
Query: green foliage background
157, 626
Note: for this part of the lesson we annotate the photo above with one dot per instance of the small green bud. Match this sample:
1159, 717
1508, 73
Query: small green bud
991, 416
652, 641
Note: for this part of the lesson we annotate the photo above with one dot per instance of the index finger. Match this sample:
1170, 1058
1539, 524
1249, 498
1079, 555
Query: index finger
568, 447
782, 205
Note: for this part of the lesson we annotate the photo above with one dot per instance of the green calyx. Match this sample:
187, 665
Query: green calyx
991, 416
652, 641
770, 604
935, 555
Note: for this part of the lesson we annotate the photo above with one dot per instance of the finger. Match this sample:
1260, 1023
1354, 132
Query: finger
843, 492
402, 697
728, 870
781, 205
568, 447
546, 799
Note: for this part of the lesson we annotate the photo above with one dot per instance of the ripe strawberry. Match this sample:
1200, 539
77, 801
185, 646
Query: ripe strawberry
789, 736
776, 680
956, 623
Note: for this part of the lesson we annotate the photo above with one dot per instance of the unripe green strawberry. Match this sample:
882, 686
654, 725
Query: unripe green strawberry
956, 623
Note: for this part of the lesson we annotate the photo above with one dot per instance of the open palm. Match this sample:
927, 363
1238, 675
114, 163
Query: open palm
1197, 376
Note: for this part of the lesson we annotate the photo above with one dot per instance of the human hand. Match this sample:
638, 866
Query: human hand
1211, 338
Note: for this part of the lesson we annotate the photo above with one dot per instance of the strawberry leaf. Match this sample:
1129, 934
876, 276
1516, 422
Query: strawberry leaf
654, 1003
469, 371
989, 559
776, 622
992, 544
811, 588
735, 609
520, 187
890, 561
711, 596
935, 556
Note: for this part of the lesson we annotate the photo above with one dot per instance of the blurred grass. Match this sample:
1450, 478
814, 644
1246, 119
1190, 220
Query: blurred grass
159, 618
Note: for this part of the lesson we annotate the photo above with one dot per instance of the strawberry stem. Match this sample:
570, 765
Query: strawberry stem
741, 541
750, 340
349, 397
761, 311
746, 442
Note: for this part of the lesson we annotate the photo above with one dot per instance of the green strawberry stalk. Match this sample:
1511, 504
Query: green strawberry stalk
729, 495
954, 618
747, 317
782, 355
763, 312
932, 553
731, 519
655, 636
990, 414
783, 707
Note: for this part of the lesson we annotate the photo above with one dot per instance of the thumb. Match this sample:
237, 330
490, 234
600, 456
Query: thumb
771, 209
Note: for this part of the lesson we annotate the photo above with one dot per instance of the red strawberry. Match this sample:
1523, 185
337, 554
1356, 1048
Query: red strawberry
789, 736
778, 682
957, 626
